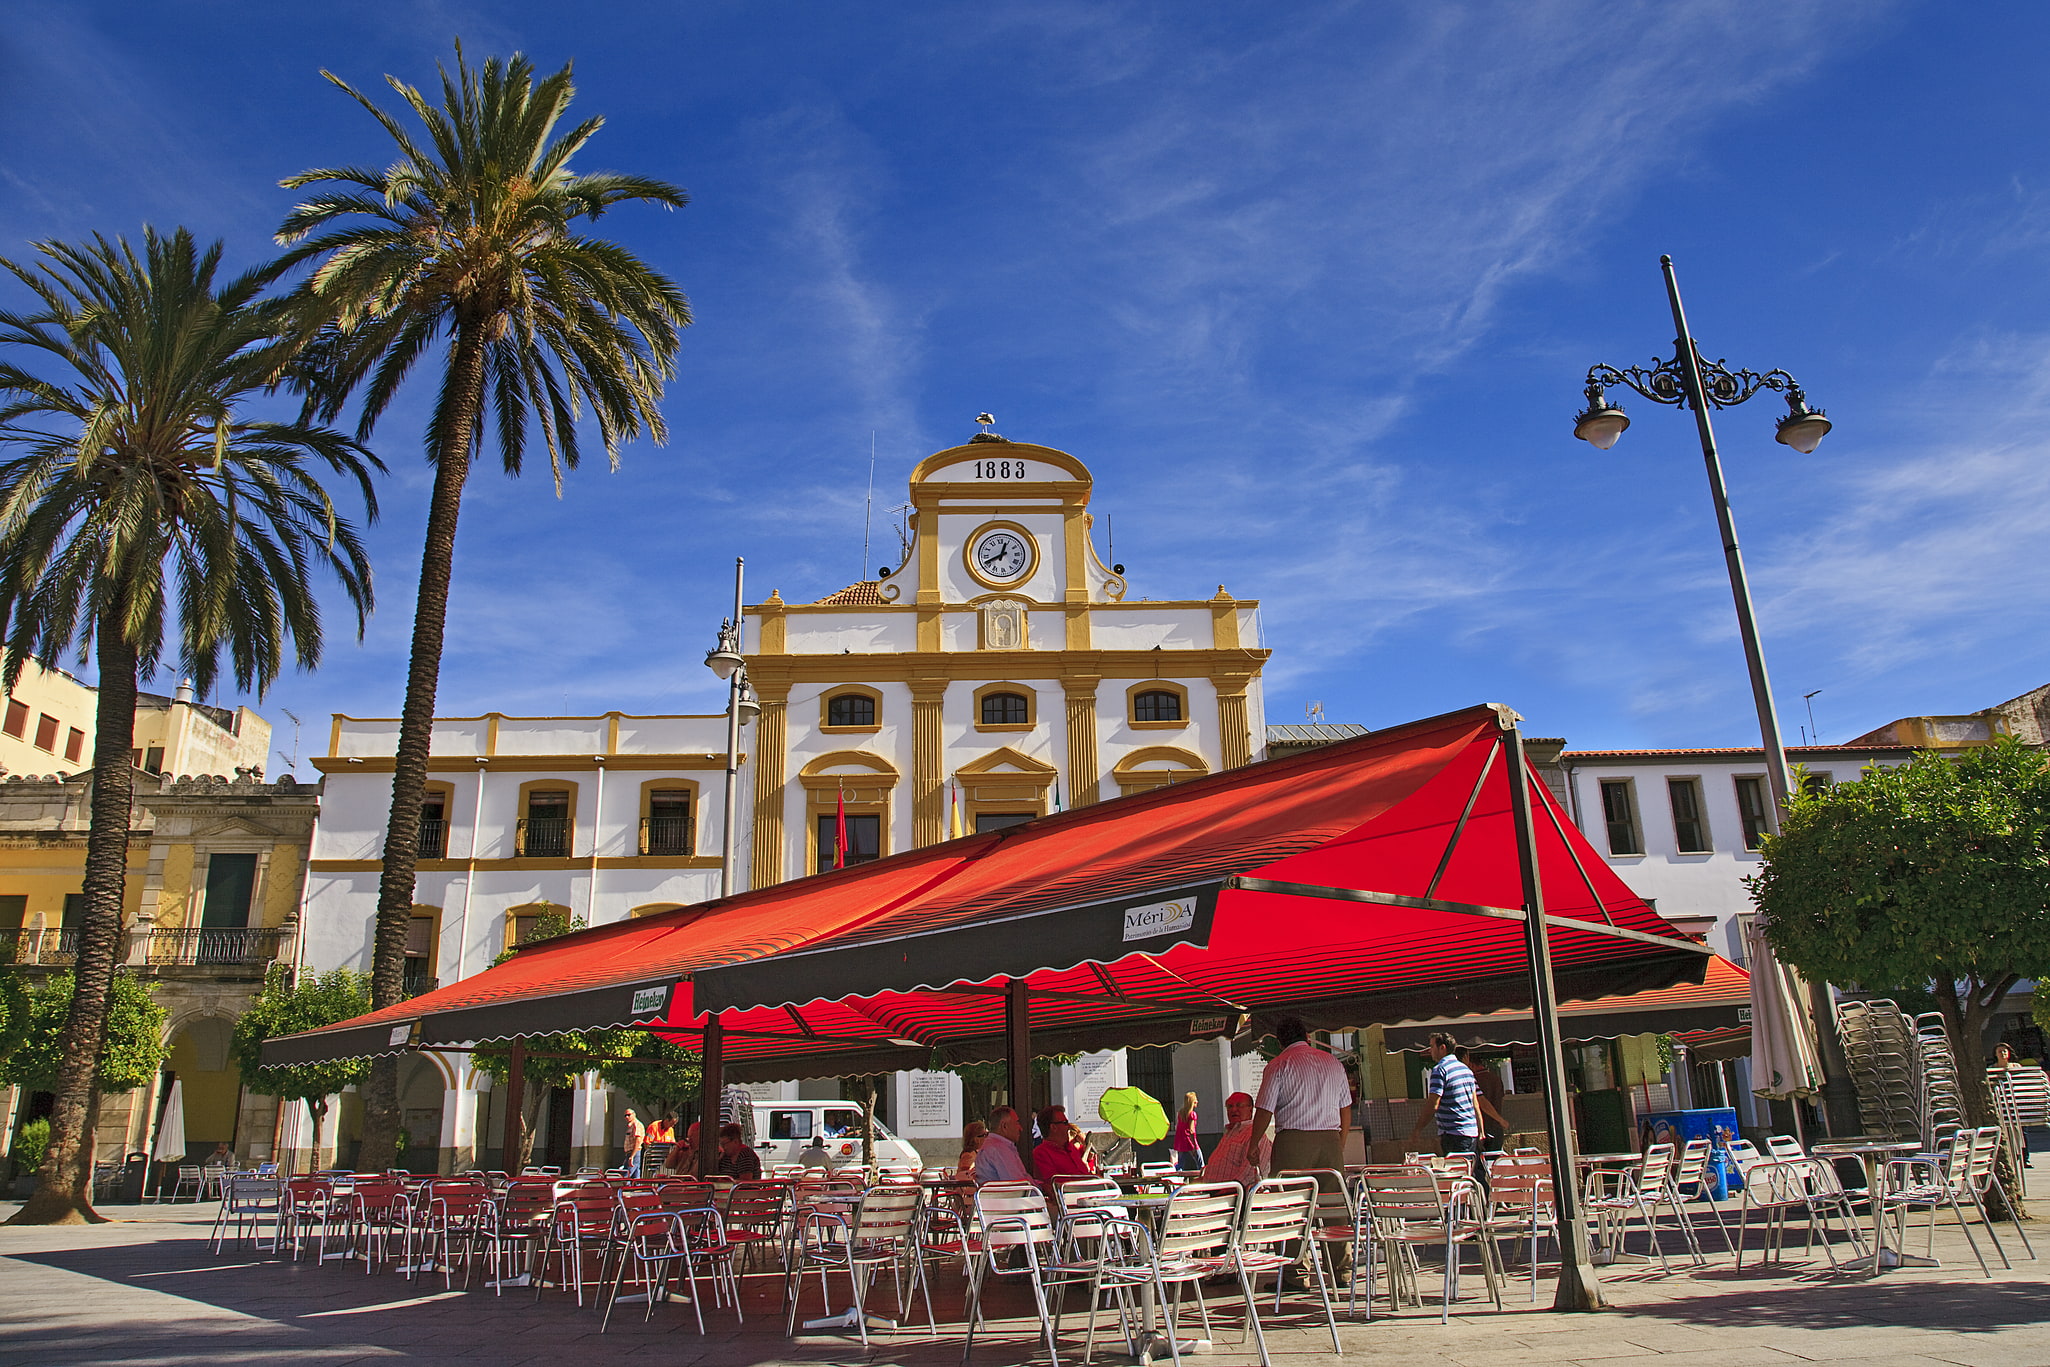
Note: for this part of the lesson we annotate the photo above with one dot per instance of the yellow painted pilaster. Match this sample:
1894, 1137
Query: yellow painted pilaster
1082, 761
928, 762
771, 755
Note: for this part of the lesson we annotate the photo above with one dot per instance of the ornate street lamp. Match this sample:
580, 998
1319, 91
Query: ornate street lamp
742, 707
1689, 381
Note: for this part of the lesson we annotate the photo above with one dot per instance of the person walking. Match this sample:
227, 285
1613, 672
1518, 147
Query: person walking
636, 1135
1188, 1150
1454, 1098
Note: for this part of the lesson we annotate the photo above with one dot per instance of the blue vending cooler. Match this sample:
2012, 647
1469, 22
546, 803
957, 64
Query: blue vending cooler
1716, 1124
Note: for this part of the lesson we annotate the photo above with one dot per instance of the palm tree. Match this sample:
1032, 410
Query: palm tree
136, 501
467, 247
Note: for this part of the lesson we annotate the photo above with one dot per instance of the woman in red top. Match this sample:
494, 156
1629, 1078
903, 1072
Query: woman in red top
1188, 1153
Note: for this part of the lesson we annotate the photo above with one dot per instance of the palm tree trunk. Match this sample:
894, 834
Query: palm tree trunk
63, 1194
452, 443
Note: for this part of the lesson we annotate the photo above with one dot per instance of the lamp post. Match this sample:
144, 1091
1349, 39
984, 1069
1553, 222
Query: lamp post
724, 659
1689, 381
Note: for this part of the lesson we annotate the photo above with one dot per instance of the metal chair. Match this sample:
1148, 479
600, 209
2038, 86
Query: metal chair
1641, 1191
880, 1232
1777, 1188
1980, 1174
191, 1177
582, 1222
1196, 1240
1414, 1208
1520, 1205
1012, 1220
245, 1204
662, 1244
1274, 1221
511, 1226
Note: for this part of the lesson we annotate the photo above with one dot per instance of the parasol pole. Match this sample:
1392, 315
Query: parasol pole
1578, 1288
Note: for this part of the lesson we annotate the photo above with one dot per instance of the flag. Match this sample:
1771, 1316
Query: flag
840, 829
954, 809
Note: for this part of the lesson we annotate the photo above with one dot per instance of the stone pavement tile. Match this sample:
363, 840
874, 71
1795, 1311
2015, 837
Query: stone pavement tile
1728, 1355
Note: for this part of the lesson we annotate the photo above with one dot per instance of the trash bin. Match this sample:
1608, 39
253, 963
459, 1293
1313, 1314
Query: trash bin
134, 1176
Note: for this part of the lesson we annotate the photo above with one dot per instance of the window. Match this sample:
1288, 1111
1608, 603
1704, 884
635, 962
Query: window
864, 838
1157, 704
434, 827
13, 911
668, 829
230, 884
46, 733
996, 821
1812, 784
421, 935
789, 1124
74, 744
525, 923
842, 1123
153, 760
1005, 709
545, 832
1751, 810
1690, 829
17, 719
1619, 810
851, 709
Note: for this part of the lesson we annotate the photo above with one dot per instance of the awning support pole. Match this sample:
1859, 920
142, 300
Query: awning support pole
711, 1082
1578, 1289
1018, 1050
515, 1104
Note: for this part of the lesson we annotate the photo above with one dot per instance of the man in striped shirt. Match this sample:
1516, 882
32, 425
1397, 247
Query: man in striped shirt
1455, 1099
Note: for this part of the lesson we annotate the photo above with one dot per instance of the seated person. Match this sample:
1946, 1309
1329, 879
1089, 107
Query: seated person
1234, 1160
683, 1158
998, 1160
971, 1144
736, 1159
1055, 1157
814, 1155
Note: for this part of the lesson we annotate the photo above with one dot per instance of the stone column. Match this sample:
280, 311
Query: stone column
928, 762
458, 1126
1083, 779
766, 863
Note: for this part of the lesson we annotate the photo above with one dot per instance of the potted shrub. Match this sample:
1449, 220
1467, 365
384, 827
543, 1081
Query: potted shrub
31, 1142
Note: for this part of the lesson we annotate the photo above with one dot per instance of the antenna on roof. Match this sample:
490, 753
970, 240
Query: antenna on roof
1314, 713
868, 508
903, 526
1813, 735
292, 760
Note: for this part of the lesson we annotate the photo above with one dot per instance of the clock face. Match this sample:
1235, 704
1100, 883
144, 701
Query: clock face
1001, 555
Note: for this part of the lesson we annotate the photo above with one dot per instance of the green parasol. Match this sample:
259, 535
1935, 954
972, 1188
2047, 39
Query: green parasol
1133, 1115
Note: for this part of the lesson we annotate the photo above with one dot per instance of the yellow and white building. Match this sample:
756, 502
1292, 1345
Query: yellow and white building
1001, 668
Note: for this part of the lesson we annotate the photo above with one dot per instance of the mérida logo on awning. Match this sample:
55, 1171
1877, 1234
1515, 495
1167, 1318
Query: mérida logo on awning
1160, 918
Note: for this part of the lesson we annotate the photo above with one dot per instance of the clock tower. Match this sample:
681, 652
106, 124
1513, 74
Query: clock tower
998, 672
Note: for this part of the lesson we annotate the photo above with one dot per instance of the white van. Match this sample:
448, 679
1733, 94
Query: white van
784, 1128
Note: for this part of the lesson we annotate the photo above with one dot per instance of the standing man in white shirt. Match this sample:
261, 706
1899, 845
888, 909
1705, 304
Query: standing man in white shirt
1304, 1095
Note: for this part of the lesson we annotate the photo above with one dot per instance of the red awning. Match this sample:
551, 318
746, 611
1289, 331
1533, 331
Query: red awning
1719, 1001
1373, 880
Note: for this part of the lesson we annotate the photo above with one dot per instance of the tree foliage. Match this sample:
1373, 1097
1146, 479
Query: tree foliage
657, 1074
130, 1056
1933, 873
285, 1007
13, 1009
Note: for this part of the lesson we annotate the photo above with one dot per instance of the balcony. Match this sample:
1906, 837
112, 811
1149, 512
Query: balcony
433, 840
668, 835
416, 981
542, 837
47, 948
213, 946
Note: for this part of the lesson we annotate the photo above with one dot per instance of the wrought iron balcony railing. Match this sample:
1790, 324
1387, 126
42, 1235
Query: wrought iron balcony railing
208, 946
433, 840
416, 980
47, 948
543, 837
668, 835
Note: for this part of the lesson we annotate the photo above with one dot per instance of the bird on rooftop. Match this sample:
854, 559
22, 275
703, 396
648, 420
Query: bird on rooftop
986, 420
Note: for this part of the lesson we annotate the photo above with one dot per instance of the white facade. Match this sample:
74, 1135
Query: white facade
1699, 889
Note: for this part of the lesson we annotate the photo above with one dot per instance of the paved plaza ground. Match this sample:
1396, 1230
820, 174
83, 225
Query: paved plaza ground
145, 1292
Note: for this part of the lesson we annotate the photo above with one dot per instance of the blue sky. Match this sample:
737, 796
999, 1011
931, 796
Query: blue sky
1311, 287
